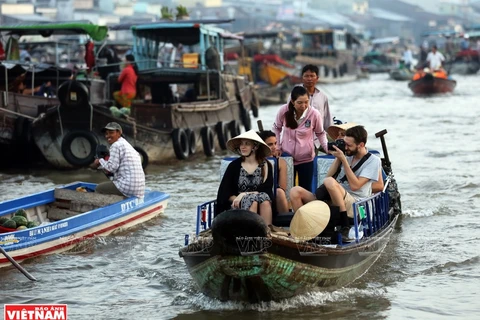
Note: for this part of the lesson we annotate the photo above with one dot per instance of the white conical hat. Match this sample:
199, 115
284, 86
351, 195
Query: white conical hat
310, 220
234, 143
334, 129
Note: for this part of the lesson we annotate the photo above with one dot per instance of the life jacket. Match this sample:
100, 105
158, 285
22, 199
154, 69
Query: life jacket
440, 74
418, 75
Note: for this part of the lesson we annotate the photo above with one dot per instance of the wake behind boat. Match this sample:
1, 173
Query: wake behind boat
239, 258
56, 220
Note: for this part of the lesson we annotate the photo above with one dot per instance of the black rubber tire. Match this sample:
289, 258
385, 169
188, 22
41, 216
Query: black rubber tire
144, 156
180, 144
80, 98
67, 150
192, 141
232, 225
245, 117
222, 134
234, 127
207, 141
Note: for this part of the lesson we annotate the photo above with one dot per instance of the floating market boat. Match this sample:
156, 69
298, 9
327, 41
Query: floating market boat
56, 220
429, 84
238, 257
188, 103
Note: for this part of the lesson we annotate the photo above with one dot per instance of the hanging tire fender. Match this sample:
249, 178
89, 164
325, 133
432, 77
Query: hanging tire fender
234, 128
222, 131
207, 141
143, 156
180, 144
67, 152
192, 141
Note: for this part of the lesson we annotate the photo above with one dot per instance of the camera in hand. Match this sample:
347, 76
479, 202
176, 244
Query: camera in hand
339, 143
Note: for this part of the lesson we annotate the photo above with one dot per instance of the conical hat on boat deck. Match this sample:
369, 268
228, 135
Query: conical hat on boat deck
333, 130
310, 220
234, 143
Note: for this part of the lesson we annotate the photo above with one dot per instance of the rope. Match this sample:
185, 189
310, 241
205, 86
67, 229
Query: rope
18, 114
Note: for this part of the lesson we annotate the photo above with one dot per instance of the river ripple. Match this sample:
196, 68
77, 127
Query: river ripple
430, 269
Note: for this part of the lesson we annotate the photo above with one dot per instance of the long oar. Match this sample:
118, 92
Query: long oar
16, 265
380, 135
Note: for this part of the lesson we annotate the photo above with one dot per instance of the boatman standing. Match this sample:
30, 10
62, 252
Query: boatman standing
124, 163
435, 59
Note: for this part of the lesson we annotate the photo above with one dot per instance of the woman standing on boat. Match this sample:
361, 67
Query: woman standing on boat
128, 79
248, 181
295, 126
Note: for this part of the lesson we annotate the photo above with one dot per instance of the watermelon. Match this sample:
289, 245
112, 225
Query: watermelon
20, 221
21, 212
2, 220
21, 228
10, 224
31, 224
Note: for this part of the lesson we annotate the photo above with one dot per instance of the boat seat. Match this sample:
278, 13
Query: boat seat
69, 203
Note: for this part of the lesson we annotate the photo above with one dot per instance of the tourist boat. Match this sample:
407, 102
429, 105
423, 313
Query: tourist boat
188, 103
18, 111
332, 51
63, 217
238, 257
429, 84
465, 62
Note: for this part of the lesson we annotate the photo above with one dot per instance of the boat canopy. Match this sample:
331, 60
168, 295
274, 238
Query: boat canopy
96, 32
149, 37
387, 40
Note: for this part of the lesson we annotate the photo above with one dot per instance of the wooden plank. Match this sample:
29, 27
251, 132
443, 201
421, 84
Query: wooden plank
56, 214
91, 198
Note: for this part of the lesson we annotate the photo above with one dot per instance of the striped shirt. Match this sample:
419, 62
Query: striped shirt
126, 165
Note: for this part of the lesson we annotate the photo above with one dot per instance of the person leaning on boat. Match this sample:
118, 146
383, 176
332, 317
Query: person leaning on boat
248, 181
125, 163
356, 185
128, 79
295, 126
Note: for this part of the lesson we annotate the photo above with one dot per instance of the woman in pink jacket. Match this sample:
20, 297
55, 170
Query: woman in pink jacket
296, 123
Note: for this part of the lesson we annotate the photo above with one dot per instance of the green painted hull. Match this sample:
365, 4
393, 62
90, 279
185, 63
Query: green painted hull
284, 270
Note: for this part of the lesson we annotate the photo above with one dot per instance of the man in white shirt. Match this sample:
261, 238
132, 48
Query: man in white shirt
125, 163
435, 59
408, 58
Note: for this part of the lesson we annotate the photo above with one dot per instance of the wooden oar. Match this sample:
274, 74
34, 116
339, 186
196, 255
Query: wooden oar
16, 265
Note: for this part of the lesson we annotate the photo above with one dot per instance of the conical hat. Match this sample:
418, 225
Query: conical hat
334, 129
310, 220
234, 143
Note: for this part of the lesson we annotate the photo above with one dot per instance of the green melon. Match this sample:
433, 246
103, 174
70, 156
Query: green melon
21, 212
2, 220
10, 224
31, 224
21, 221
22, 228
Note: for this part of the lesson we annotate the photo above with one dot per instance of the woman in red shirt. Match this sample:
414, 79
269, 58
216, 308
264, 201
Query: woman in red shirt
128, 79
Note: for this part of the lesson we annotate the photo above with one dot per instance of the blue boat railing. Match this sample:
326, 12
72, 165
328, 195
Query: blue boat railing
373, 212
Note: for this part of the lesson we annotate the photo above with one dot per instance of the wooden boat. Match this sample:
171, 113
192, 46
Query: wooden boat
332, 51
401, 74
19, 111
238, 257
207, 107
431, 85
66, 217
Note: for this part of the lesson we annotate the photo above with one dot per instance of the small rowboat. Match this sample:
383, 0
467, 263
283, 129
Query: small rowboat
69, 215
432, 85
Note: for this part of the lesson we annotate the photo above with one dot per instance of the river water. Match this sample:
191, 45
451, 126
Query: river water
430, 269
